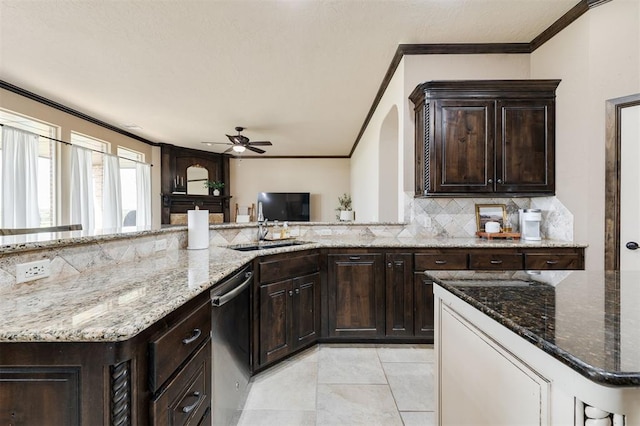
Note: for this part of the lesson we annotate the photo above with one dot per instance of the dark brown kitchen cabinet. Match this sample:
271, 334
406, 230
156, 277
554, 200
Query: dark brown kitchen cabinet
289, 316
151, 378
356, 302
423, 317
399, 289
286, 305
485, 137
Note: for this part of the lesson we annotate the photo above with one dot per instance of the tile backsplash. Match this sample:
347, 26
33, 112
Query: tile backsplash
456, 217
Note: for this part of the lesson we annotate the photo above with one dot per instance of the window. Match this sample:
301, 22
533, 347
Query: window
47, 195
98, 146
128, 177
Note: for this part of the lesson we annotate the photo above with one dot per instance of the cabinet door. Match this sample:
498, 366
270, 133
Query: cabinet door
40, 396
275, 320
423, 291
356, 295
399, 287
306, 310
463, 160
525, 146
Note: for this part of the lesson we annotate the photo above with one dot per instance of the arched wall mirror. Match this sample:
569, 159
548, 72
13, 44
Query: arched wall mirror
622, 184
197, 177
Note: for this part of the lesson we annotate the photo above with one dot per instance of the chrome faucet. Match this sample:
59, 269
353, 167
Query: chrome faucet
263, 229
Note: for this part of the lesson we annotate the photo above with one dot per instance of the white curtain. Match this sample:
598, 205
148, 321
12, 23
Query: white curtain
111, 193
143, 194
19, 179
82, 210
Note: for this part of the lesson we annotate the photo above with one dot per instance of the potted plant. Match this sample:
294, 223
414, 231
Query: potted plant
215, 185
345, 212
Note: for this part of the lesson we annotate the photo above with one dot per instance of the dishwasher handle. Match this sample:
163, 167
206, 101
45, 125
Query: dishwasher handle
220, 300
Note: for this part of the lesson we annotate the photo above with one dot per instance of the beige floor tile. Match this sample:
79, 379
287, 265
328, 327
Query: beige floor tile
277, 418
411, 384
418, 418
405, 353
288, 386
350, 365
340, 404
308, 355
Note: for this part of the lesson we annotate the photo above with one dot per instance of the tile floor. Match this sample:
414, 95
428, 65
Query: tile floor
336, 384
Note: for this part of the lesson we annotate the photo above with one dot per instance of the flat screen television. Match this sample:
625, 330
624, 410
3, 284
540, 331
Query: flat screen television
285, 206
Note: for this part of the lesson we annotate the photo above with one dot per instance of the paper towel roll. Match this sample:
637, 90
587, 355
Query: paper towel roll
198, 229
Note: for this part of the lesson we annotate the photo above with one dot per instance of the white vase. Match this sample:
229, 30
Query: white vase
216, 192
347, 215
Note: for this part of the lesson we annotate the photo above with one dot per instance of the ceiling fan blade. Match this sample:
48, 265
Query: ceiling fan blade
235, 139
228, 150
258, 150
216, 143
260, 143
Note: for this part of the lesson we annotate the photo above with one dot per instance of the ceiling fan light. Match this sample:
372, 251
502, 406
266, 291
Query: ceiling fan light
238, 148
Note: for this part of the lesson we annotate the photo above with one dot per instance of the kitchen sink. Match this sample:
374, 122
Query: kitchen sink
266, 245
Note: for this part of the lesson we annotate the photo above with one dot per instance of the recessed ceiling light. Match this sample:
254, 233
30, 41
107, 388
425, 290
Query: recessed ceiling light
132, 126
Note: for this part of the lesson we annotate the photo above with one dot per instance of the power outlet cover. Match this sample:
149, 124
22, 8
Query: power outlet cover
33, 270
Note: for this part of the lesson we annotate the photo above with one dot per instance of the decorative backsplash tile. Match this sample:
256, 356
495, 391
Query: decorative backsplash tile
456, 217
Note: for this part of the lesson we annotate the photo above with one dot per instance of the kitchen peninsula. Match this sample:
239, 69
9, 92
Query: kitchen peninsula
94, 341
550, 348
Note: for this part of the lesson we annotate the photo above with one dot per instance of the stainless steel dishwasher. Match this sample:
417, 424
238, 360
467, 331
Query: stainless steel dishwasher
230, 339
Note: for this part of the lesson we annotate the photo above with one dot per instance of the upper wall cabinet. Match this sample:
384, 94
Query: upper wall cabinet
485, 137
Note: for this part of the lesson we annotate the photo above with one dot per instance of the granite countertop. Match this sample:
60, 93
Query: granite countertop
587, 320
114, 304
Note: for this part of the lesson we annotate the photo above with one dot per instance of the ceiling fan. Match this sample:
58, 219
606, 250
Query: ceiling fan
239, 143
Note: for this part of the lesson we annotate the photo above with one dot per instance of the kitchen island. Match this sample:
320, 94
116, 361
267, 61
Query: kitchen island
549, 348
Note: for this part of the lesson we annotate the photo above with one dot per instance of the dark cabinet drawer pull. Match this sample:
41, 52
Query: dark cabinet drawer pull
297, 291
196, 333
440, 262
354, 257
496, 262
189, 408
551, 262
290, 292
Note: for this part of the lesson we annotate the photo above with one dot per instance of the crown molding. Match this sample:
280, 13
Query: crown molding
53, 104
464, 49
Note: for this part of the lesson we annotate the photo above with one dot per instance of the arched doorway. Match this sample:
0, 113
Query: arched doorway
388, 200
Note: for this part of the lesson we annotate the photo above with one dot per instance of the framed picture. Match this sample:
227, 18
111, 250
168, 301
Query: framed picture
490, 212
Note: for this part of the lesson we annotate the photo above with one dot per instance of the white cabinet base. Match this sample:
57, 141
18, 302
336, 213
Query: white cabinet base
488, 375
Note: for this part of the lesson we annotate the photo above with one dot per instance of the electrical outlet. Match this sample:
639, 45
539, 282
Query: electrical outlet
161, 244
33, 270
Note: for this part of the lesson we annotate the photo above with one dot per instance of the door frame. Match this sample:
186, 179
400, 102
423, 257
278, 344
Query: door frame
612, 179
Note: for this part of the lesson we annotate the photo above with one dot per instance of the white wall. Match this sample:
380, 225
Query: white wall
326, 179
365, 161
597, 57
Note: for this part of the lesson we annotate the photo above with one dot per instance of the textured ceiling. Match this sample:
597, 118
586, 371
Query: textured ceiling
301, 73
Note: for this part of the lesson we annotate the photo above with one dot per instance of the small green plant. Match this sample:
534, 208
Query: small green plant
344, 204
213, 184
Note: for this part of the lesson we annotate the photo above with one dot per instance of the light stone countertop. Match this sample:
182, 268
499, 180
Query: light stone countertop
115, 304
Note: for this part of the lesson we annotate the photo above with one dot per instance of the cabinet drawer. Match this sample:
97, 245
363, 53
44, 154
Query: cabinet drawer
187, 397
276, 270
501, 261
425, 262
173, 347
552, 261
